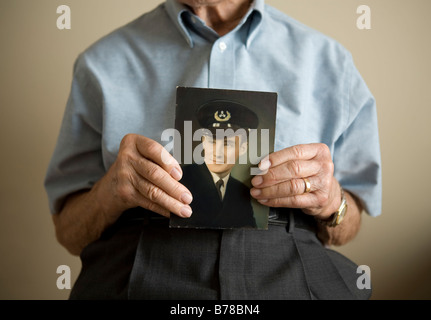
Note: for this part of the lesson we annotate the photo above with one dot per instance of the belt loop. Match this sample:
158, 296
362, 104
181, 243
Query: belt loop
291, 221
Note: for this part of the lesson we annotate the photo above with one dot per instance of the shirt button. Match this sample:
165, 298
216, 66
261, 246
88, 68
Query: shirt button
222, 46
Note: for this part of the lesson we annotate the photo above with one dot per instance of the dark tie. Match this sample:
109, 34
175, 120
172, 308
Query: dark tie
219, 184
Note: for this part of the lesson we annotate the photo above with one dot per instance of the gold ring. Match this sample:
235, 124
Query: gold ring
307, 183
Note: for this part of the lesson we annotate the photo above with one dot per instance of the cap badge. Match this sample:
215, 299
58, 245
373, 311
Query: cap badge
222, 116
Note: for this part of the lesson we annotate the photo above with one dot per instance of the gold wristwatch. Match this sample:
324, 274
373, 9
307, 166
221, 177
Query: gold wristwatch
338, 216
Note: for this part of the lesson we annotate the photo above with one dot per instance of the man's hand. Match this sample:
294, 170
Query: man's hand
283, 184
146, 175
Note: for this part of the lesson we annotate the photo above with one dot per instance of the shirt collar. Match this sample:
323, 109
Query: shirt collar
217, 178
178, 11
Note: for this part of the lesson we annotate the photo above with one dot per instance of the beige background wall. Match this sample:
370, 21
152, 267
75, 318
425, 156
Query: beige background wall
35, 72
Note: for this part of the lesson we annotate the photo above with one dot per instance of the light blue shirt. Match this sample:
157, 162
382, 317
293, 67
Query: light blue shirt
126, 83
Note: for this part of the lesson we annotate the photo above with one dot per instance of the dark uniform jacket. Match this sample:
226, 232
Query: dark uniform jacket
209, 211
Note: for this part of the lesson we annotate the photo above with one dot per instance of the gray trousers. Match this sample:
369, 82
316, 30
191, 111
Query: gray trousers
142, 258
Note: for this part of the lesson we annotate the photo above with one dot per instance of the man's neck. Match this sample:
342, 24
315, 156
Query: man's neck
223, 16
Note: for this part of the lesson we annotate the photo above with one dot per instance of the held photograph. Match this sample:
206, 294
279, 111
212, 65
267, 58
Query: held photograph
221, 136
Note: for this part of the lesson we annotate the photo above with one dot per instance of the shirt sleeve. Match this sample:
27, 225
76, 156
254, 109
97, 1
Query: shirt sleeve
356, 156
77, 162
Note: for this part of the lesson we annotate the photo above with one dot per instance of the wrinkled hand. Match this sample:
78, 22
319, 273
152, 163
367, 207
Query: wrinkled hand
283, 185
146, 175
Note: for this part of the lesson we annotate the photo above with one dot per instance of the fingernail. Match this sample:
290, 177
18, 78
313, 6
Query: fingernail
176, 174
186, 198
186, 211
262, 200
257, 181
264, 165
255, 192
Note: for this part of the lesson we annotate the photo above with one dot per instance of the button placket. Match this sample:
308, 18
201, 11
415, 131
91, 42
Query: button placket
222, 64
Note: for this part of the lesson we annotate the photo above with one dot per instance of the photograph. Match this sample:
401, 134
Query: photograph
233, 130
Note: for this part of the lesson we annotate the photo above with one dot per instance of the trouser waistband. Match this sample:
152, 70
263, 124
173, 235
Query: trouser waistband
287, 216
277, 216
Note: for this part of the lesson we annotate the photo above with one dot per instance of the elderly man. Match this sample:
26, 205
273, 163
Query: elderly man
110, 191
